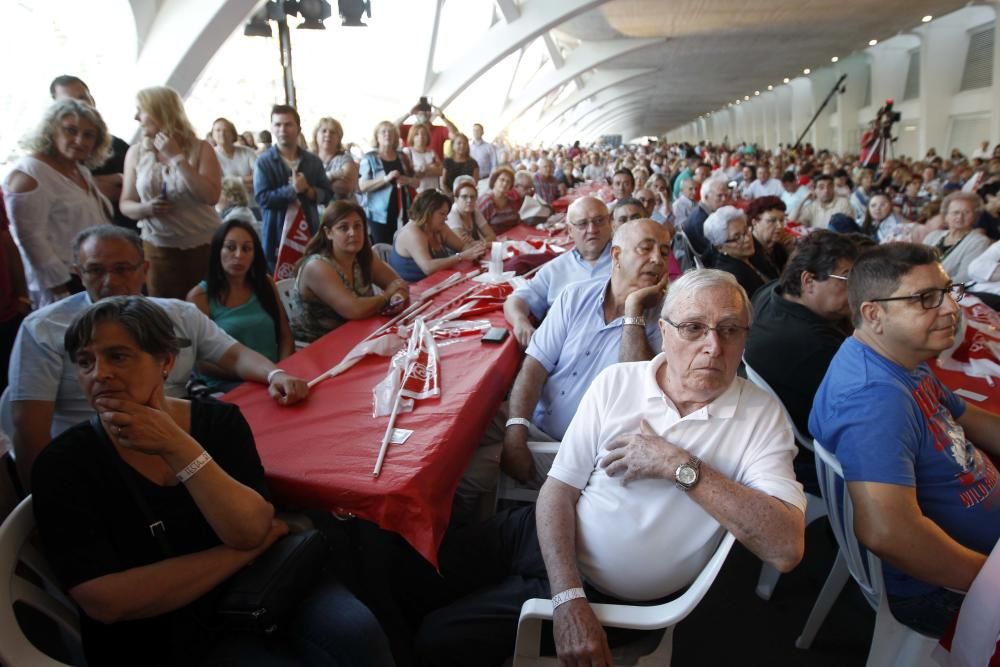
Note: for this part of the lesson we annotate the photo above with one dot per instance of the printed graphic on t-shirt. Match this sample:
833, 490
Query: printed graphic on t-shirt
976, 473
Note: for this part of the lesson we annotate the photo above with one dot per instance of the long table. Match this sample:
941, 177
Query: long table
320, 454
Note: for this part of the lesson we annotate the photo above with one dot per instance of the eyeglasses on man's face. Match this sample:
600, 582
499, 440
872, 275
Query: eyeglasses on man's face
931, 298
97, 272
596, 221
695, 331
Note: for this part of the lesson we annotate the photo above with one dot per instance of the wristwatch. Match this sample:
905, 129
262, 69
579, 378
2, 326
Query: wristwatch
688, 473
637, 321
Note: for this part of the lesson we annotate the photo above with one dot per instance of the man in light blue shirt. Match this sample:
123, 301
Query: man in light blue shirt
590, 229
592, 325
483, 152
45, 397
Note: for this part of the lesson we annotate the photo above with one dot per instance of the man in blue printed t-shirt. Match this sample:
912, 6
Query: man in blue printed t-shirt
916, 457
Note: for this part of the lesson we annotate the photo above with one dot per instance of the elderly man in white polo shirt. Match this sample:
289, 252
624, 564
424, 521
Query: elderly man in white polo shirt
662, 458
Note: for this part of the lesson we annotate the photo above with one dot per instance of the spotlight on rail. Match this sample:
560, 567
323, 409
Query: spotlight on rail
351, 11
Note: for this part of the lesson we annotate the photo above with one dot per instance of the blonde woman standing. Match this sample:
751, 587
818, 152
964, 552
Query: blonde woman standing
172, 182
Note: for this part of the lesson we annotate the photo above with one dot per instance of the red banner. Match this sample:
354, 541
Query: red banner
295, 235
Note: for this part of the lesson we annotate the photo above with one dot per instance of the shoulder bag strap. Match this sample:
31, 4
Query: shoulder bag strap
156, 526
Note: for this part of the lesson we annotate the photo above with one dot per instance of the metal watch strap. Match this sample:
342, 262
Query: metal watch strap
693, 462
637, 321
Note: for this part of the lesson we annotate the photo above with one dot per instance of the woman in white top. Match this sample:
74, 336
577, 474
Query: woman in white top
50, 195
235, 161
426, 165
337, 162
171, 184
959, 244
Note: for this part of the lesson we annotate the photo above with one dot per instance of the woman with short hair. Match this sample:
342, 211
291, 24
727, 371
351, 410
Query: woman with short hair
336, 278
235, 161
959, 244
426, 165
194, 465
50, 195
384, 179
501, 206
426, 244
465, 218
171, 184
732, 248
459, 164
327, 143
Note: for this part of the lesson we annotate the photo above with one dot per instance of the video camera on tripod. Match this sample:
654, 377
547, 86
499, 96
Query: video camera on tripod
876, 144
885, 118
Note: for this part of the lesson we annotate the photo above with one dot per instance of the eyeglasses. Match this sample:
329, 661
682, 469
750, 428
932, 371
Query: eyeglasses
596, 221
931, 298
738, 237
834, 275
695, 331
119, 270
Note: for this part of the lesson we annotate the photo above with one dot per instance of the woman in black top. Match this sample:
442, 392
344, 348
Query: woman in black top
459, 164
732, 248
195, 465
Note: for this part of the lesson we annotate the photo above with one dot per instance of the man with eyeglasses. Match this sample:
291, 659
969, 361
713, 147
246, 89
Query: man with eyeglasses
800, 321
590, 229
45, 397
916, 457
661, 458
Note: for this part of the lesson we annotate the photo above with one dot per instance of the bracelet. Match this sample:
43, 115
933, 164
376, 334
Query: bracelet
566, 596
518, 421
191, 469
637, 321
270, 376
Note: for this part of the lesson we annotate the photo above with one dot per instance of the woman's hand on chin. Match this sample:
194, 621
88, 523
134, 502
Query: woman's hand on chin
144, 428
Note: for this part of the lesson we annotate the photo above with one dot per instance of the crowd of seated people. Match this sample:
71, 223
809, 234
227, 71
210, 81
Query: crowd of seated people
816, 280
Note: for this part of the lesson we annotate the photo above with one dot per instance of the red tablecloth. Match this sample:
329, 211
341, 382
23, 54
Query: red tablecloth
320, 454
957, 380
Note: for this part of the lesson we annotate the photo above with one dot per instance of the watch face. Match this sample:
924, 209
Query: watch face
687, 475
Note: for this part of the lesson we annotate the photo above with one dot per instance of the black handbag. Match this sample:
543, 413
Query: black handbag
258, 598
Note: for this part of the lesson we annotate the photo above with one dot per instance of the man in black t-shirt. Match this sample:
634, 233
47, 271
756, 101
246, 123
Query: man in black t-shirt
799, 322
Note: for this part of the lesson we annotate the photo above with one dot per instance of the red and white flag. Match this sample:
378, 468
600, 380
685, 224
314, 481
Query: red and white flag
295, 234
413, 373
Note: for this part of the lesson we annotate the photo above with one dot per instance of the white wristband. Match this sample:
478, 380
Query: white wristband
518, 421
566, 596
270, 376
191, 469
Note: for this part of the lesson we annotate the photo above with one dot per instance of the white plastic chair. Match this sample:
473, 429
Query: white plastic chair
285, 288
15, 649
892, 643
382, 251
509, 488
815, 507
662, 616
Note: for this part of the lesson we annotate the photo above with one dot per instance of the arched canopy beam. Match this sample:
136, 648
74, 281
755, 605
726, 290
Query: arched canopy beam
536, 18
611, 123
601, 103
183, 38
594, 88
582, 59
612, 116
584, 119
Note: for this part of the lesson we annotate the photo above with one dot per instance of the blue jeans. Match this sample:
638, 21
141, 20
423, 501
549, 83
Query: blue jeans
929, 614
331, 628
